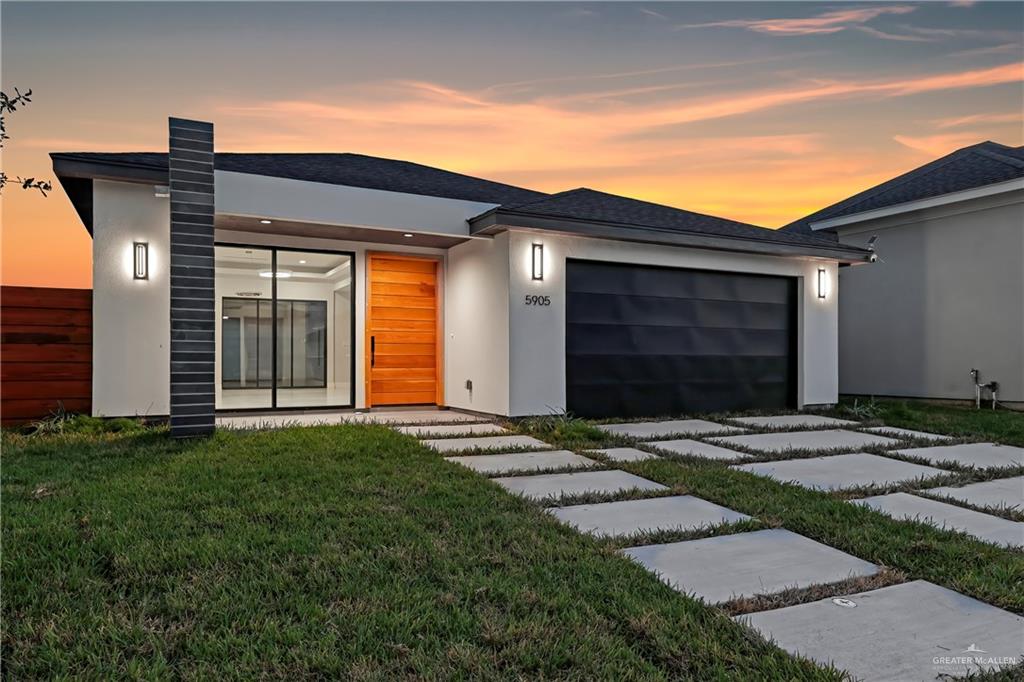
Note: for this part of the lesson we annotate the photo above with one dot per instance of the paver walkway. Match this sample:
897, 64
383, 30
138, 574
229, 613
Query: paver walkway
980, 455
786, 421
554, 486
523, 461
484, 443
625, 454
910, 631
679, 512
1004, 493
449, 430
411, 417
984, 526
676, 427
747, 564
696, 448
890, 633
806, 440
841, 471
906, 433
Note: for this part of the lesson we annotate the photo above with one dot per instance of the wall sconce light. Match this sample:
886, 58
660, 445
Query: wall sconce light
822, 282
538, 261
141, 251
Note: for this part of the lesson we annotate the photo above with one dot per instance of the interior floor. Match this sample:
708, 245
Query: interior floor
335, 395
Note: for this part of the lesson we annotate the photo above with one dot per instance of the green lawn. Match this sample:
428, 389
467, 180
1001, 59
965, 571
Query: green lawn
355, 552
985, 424
323, 552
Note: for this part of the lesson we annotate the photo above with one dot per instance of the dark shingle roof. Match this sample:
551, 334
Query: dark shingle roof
357, 170
589, 204
968, 168
354, 170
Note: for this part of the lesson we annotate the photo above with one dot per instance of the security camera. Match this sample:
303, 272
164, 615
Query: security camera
873, 258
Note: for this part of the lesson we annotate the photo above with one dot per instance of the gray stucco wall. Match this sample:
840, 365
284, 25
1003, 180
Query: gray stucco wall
949, 296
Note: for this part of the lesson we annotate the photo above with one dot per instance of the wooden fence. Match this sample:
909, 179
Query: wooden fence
45, 352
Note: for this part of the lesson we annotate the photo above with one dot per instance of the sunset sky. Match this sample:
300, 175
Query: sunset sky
760, 112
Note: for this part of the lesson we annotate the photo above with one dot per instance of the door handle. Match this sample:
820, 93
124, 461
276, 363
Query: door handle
373, 350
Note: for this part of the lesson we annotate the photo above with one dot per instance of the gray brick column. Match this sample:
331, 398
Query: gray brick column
193, 346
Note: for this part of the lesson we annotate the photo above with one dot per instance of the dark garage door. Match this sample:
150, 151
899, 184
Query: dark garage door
650, 341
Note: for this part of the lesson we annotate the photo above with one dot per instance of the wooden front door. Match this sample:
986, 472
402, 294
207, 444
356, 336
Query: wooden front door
403, 350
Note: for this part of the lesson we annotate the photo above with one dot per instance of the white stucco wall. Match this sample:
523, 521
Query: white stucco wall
131, 318
243, 194
477, 325
537, 333
947, 295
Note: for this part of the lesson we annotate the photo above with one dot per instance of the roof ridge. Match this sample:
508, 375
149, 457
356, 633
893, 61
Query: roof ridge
1002, 158
546, 197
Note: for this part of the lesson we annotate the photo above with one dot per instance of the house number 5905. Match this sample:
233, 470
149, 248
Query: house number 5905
538, 300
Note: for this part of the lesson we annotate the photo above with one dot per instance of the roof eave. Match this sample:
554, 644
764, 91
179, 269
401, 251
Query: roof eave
72, 166
919, 204
498, 220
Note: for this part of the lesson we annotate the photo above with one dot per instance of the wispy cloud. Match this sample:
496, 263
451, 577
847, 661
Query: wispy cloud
1016, 48
884, 35
829, 22
975, 119
523, 85
652, 13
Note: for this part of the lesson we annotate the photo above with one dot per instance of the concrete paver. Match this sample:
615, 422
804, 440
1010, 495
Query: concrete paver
788, 421
626, 454
523, 461
984, 526
544, 486
685, 446
448, 430
980, 455
841, 471
912, 631
746, 564
665, 429
806, 440
485, 443
1006, 493
679, 512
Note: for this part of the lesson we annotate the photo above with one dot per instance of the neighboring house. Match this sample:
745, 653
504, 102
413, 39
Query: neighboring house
947, 293
314, 281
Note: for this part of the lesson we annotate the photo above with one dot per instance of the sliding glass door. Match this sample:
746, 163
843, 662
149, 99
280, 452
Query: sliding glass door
286, 328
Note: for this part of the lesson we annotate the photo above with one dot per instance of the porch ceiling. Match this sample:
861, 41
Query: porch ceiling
342, 232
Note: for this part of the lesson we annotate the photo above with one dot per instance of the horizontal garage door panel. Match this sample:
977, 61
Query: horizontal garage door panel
614, 278
668, 311
631, 340
648, 341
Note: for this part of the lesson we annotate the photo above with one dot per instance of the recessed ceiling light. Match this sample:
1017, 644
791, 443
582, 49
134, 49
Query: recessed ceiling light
407, 235
265, 221
303, 262
280, 274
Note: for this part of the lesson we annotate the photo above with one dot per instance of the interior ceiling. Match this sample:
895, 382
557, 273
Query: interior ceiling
299, 263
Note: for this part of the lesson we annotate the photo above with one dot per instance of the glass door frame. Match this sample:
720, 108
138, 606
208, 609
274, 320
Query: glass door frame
273, 336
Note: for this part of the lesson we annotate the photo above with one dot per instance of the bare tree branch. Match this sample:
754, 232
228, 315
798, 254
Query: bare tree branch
8, 105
